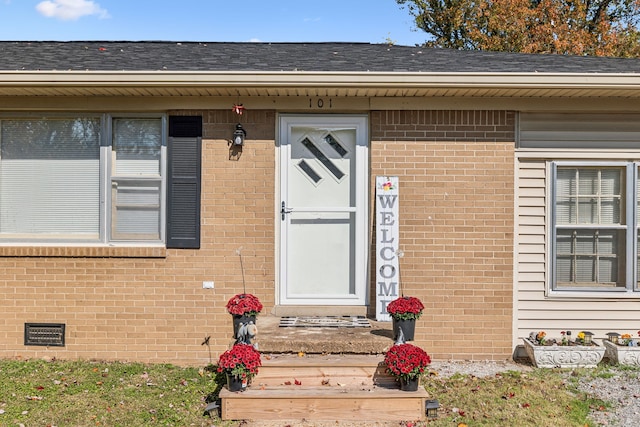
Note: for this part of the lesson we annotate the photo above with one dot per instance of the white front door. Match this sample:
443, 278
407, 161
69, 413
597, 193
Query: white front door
323, 210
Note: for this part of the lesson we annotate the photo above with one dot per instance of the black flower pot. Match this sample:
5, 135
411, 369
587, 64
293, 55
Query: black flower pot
409, 384
408, 328
236, 383
241, 318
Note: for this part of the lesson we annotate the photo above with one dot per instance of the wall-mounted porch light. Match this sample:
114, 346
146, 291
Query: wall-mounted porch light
239, 135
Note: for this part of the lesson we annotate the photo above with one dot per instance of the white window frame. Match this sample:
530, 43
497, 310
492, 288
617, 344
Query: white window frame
630, 195
105, 168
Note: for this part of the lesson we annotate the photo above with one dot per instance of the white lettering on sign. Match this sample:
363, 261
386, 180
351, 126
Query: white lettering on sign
387, 240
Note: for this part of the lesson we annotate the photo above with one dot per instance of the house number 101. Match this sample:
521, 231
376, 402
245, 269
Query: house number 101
319, 103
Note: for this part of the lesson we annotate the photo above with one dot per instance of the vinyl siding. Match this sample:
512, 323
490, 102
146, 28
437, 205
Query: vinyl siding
544, 137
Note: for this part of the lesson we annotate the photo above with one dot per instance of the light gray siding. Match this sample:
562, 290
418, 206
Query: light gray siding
537, 309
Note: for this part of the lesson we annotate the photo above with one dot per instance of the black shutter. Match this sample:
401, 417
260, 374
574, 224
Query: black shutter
184, 182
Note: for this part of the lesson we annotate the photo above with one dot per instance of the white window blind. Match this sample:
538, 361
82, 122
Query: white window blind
136, 181
49, 178
590, 231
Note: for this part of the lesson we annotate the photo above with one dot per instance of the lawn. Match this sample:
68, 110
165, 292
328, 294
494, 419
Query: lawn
89, 393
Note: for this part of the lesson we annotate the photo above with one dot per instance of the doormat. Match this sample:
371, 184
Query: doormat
325, 322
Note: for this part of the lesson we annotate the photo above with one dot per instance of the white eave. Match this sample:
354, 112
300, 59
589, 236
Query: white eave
347, 84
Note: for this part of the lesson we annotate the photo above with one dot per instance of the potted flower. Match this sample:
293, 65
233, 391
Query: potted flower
244, 308
406, 362
404, 311
240, 364
622, 349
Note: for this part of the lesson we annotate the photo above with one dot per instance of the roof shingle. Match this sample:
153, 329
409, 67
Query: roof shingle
316, 57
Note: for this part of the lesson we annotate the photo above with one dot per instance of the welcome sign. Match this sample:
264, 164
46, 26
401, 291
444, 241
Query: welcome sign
387, 241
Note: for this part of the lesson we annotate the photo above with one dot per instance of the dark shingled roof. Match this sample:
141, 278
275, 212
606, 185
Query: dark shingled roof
317, 57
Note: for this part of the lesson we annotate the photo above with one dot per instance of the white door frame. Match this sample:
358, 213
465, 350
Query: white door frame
360, 123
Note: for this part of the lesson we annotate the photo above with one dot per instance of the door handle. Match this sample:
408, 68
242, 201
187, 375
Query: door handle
285, 210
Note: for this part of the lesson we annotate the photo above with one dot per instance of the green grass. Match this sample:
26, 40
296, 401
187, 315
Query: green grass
86, 393
542, 397
59, 393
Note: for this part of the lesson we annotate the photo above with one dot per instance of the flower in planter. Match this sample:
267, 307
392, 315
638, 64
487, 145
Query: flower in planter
584, 338
241, 361
406, 361
564, 340
246, 304
405, 308
625, 339
538, 338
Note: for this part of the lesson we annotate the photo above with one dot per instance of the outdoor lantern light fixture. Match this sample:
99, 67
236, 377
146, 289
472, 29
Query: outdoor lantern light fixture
613, 337
431, 408
239, 135
587, 337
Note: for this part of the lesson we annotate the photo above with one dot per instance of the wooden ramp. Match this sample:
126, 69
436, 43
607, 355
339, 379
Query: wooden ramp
324, 388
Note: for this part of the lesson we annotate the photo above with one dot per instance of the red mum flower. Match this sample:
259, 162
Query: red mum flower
241, 361
405, 308
244, 304
406, 361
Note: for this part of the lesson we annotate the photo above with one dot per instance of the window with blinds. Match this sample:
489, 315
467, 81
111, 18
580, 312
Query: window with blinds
136, 184
53, 172
592, 238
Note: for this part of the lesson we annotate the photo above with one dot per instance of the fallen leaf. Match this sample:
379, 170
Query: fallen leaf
300, 354
297, 382
287, 383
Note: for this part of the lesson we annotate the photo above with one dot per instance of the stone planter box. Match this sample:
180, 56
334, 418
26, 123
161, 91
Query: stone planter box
564, 356
620, 354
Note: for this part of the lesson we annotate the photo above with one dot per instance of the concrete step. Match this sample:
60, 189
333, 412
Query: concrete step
323, 388
272, 338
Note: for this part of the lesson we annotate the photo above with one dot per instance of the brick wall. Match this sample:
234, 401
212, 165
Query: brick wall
456, 186
456, 178
149, 305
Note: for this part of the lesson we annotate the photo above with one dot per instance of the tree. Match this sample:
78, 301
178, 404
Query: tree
578, 27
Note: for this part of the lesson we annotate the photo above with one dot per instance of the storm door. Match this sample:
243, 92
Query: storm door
322, 210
